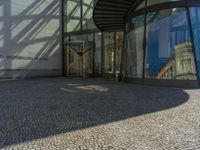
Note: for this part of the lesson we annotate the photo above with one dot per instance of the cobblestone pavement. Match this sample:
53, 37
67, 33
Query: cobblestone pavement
89, 114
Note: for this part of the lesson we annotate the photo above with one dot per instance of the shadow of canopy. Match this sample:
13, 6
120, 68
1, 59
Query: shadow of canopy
35, 109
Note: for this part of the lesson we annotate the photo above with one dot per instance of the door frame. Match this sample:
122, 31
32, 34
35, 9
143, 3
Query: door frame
66, 56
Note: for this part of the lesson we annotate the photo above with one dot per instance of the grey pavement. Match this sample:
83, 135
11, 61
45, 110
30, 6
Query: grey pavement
97, 114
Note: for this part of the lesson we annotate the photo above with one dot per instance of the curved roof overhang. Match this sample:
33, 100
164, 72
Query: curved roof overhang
110, 15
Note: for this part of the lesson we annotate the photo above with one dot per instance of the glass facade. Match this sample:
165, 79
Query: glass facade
118, 53
78, 15
169, 47
134, 46
159, 43
87, 7
163, 44
101, 52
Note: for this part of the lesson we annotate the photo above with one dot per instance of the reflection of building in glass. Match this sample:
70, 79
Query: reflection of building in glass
179, 66
161, 41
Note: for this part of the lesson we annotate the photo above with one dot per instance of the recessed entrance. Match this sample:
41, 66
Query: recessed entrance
74, 59
79, 59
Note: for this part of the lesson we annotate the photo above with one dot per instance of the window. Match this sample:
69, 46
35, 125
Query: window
169, 45
135, 49
72, 17
195, 20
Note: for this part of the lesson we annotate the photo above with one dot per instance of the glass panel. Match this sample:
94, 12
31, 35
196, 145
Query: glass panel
118, 54
195, 19
169, 48
98, 53
72, 15
153, 2
135, 50
87, 14
109, 52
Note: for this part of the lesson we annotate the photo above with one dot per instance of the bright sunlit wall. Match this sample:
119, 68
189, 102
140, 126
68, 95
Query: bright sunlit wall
30, 38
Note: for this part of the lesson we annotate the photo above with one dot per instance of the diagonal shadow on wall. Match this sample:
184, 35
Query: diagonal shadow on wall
33, 29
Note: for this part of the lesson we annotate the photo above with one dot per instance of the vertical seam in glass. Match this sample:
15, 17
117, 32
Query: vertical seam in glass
122, 54
192, 40
144, 45
102, 53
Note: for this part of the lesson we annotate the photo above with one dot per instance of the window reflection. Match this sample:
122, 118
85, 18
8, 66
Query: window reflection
109, 48
98, 53
134, 46
169, 48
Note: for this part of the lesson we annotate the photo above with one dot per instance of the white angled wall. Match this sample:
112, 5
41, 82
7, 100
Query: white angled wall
30, 38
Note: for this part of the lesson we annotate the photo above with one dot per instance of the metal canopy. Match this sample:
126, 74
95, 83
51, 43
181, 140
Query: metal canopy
109, 15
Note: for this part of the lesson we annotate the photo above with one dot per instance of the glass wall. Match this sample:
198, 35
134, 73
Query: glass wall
169, 48
88, 6
98, 53
168, 39
78, 15
98, 56
195, 20
134, 46
118, 51
72, 15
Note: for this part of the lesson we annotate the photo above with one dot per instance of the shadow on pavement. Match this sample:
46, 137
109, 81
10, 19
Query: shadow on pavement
35, 109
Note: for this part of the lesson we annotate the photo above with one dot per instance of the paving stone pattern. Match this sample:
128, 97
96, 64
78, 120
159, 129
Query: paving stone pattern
96, 114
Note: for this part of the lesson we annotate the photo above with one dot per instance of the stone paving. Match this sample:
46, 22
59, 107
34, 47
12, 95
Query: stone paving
95, 114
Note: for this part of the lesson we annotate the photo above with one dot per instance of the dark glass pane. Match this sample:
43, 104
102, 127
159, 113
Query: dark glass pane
98, 53
88, 6
109, 52
134, 48
118, 53
195, 19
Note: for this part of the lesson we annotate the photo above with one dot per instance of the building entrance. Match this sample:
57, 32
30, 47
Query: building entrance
74, 59
79, 59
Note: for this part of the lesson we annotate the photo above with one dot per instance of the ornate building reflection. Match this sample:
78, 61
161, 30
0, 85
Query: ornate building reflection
179, 66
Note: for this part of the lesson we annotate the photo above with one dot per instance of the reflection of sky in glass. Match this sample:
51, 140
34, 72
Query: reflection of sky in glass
195, 18
163, 35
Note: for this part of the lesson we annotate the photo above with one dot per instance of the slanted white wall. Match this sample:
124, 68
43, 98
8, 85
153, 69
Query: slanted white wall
30, 38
